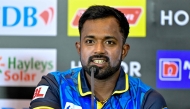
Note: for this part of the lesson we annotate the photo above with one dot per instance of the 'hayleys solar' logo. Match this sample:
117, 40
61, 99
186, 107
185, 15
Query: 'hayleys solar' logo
173, 69
25, 67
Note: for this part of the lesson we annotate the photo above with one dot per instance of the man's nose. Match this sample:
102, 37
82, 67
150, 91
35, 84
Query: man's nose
99, 48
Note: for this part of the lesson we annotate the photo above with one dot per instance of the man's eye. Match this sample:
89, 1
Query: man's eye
89, 41
110, 42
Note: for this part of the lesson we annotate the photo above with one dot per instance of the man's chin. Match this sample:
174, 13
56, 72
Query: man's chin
103, 74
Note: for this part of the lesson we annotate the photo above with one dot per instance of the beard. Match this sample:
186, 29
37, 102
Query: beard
103, 73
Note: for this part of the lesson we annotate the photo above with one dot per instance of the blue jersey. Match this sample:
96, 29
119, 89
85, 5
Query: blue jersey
69, 90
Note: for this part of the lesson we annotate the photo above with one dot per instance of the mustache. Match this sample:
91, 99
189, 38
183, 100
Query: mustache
98, 56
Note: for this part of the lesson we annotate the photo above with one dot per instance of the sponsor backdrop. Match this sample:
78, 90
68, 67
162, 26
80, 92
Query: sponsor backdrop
37, 37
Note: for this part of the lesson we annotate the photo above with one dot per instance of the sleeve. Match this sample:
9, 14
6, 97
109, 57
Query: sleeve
153, 100
46, 94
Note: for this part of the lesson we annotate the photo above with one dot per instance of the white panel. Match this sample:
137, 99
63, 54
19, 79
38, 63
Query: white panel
28, 17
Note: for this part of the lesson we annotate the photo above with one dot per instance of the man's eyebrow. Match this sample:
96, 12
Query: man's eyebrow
105, 37
90, 36
110, 37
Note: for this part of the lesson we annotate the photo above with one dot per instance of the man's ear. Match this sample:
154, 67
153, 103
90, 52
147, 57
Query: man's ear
77, 45
125, 50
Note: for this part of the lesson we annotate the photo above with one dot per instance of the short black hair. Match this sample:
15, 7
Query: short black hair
102, 11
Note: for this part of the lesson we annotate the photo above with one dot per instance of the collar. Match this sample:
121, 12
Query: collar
122, 84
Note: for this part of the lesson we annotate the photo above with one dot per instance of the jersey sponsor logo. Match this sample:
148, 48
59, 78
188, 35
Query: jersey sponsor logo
69, 105
40, 92
173, 69
26, 18
134, 11
25, 67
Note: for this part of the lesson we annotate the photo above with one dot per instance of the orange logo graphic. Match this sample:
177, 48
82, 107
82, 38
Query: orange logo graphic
1, 64
132, 15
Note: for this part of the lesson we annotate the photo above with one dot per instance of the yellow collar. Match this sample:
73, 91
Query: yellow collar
122, 84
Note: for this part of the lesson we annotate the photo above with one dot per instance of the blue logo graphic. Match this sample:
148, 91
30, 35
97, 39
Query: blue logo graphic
173, 69
27, 16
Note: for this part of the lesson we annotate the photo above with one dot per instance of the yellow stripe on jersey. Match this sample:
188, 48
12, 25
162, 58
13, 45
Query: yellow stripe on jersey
99, 105
80, 87
43, 107
126, 86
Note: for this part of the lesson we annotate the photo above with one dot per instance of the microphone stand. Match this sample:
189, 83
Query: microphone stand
92, 70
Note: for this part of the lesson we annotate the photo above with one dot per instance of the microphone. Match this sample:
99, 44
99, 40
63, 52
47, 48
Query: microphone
93, 70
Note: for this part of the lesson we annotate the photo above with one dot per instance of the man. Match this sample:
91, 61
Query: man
103, 33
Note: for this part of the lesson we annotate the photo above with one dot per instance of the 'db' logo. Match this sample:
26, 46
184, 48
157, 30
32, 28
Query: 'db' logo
170, 69
29, 16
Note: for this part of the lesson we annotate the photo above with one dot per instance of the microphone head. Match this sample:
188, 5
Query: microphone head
94, 69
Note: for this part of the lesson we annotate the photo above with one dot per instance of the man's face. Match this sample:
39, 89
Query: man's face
102, 45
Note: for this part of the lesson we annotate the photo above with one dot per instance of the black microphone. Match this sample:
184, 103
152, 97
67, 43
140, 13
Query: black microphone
93, 70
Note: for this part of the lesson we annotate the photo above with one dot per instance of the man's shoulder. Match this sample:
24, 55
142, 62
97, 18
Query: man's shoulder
66, 75
137, 83
151, 98
154, 100
72, 71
